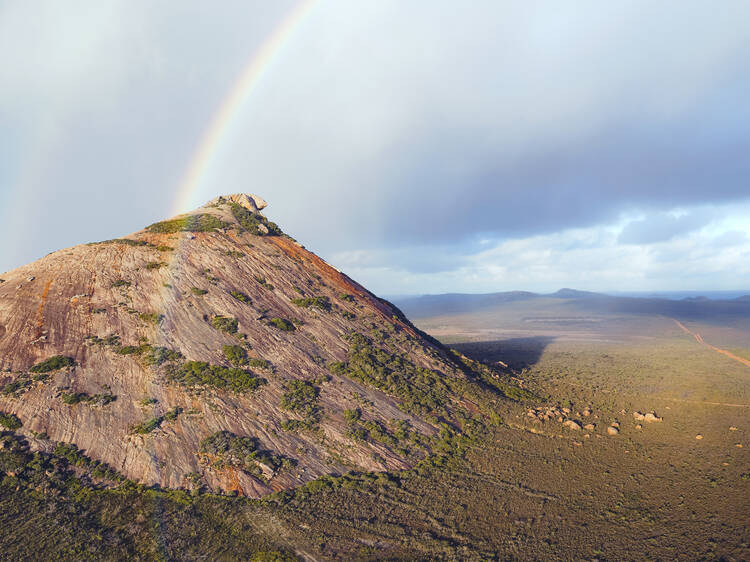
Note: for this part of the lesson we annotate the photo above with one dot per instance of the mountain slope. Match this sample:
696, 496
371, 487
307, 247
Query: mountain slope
213, 351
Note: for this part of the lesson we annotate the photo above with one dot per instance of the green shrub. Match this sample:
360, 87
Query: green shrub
147, 426
296, 425
251, 221
130, 350
234, 254
159, 355
77, 397
225, 324
17, 387
259, 363
121, 283
242, 297
198, 292
172, 414
73, 398
301, 397
200, 373
148, 401
263, 282
155, 265
192, 223
422, 391
226, 448
110, 340
346, 297
10, 421
352, 416
151, 317
313, 302
282, 324
235, 354
53, 364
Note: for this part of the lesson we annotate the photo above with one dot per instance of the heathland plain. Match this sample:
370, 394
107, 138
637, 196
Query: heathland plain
208, 389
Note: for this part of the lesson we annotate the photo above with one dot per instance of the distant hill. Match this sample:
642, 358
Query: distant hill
583, 301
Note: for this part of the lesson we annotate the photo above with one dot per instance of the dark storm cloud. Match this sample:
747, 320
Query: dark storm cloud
399, 136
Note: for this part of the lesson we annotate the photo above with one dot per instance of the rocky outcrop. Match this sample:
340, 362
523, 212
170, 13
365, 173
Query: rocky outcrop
208, 323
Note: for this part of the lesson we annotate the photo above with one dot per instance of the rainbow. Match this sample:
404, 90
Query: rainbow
217, 129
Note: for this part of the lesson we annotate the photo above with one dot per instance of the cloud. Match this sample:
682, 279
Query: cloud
391, 137
660, 227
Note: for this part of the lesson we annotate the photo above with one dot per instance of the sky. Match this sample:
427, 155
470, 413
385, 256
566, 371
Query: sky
421, 146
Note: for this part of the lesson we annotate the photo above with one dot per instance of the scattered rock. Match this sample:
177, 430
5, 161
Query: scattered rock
31, 278
615, 424
699, 437
639, 416
586, 413
612, 430
560, 419
572, 425
652, 417
732, 428
586, 436
638, 426
739, 445
566, 410
589, 427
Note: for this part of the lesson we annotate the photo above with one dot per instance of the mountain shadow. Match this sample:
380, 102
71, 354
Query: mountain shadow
516, 353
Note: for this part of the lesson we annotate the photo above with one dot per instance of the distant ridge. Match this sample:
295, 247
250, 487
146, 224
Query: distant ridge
687, 307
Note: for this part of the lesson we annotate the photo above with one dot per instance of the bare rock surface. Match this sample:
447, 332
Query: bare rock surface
117, 308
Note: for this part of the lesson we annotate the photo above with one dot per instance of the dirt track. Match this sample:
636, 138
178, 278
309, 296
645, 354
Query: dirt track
701, 341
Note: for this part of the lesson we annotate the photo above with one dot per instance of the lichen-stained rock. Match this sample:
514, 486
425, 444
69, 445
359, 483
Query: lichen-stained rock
137, 349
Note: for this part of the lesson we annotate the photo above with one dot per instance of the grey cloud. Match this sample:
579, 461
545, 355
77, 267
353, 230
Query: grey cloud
415, 129
661, 227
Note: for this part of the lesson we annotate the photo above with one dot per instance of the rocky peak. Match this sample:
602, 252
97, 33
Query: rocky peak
251, 202
211, 350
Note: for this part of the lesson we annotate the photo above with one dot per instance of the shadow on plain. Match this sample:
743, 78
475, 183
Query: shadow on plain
516, 353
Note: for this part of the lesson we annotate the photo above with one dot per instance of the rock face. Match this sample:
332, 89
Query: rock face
213, 350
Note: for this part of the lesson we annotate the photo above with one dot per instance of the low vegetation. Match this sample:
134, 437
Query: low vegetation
151, 317
322, 303
154, 423
53, 364
254, 223
224, 448
240, 296
198, 292
235, 354
200, 373
225, 324
10, 421
301, 397
71, 398
262, 281
151, 355
282, 324
50, 511
422, 391
192, 223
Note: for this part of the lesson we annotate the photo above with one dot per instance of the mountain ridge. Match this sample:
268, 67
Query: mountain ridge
212, 351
